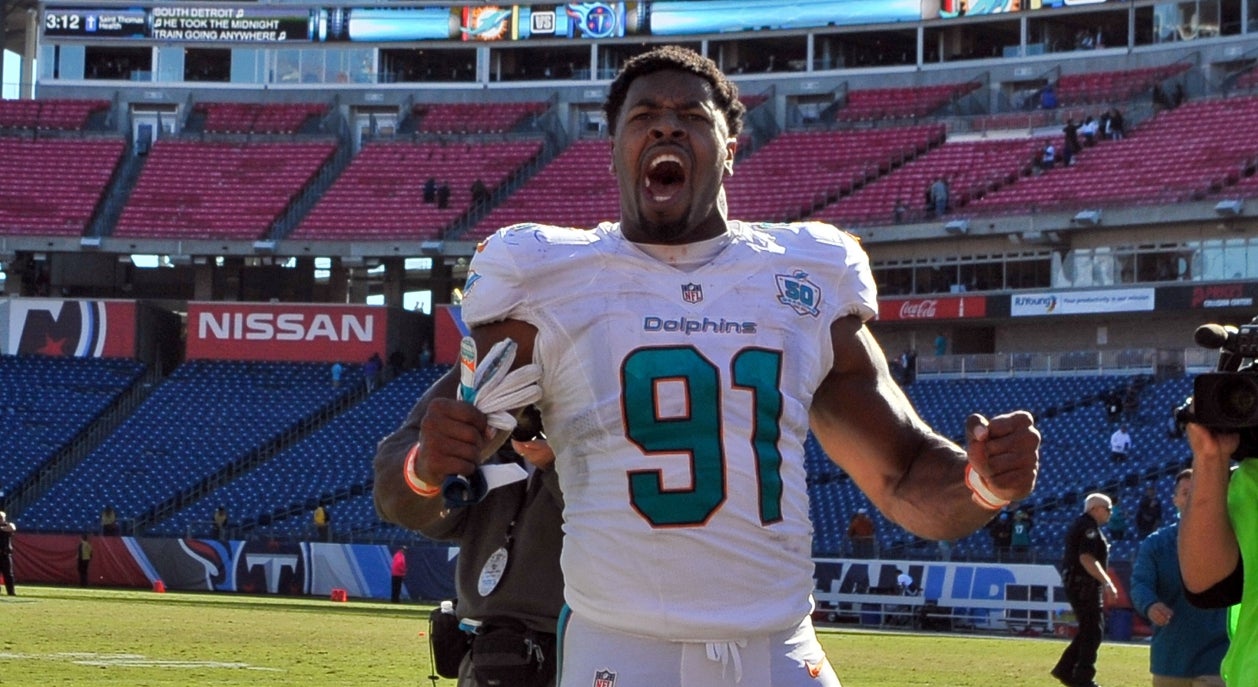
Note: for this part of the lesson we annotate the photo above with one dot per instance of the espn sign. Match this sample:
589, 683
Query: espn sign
950, 308
285, 332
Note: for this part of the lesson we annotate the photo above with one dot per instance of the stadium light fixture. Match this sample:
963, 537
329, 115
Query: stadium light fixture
89, 242
957, 226
1088, 217
1230, 208
264, 246
1035, 236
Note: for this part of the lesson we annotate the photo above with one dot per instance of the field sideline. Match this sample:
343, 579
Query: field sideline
71, 637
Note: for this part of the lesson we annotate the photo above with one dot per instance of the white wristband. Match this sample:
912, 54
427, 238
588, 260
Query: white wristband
980, 492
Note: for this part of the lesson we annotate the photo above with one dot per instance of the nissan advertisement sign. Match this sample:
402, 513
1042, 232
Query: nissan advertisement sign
285, 331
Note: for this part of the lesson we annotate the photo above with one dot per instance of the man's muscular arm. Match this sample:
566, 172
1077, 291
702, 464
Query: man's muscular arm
452, 436
914, 475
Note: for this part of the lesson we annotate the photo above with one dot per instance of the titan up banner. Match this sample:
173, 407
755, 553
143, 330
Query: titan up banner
310, 332
69, 328
254, 567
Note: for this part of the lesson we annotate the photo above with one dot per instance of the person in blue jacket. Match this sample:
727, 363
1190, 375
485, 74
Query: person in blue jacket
1188, 642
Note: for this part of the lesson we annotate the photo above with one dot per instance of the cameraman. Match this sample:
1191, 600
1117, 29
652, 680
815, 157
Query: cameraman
508, 580
1218, 530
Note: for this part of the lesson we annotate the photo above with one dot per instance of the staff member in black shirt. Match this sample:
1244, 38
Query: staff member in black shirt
1086, 580
6, 551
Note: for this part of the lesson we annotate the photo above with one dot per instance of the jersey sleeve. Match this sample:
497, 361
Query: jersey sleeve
493, 290
857, 282
855, 292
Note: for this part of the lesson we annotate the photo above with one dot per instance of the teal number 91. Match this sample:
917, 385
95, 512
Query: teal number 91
700, 432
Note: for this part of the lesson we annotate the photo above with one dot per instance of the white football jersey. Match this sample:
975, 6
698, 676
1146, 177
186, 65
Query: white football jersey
677, 403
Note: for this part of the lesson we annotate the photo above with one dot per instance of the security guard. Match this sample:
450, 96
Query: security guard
1084, 575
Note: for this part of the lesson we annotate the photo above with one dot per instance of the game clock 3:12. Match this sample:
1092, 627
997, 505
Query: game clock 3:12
96, 23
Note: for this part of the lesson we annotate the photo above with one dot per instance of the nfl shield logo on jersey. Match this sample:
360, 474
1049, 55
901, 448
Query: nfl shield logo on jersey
604, 678
691, 293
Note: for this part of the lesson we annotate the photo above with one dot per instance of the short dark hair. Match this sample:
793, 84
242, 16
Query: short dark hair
724, 91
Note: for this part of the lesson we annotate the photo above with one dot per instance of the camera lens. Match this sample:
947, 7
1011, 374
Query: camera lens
1238, 399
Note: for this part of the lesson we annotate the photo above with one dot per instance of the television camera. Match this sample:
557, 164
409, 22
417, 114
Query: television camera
1227, 400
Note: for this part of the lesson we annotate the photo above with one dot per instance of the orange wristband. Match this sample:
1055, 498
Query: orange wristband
416, 484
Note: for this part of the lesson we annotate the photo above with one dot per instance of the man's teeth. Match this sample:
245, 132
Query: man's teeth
664, 158
659, 161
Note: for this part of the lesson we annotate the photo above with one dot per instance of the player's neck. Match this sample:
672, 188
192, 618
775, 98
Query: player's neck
687, 257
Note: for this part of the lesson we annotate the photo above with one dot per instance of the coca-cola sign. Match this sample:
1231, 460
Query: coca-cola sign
944, 308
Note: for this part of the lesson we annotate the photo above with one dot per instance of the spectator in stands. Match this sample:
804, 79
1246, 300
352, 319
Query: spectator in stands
1048, 98
1149, 512
1114, 126
322, 518
425, 355
1047, 157
1020, 537
397, 363
1160, 100
443, 195
1087, 583
1174, 428
1131, 403
939, 196
371, 371
6, 552
1177, 95
908, 366
941, 345
1088, 130
1118, 521
862, 535
83, 558
480, 192
1119, 444
219, 529
899, 210
905, 582
1113, 405
1071, 146
109, 522
338, 371
1216, 538
1000, 529
397, 574
1188, 643
430, 190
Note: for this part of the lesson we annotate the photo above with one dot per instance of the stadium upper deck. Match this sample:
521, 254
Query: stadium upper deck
369, 85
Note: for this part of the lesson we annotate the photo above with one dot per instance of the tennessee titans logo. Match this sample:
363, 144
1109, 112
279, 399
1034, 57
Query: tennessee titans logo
604, 678
799, 293
691, 293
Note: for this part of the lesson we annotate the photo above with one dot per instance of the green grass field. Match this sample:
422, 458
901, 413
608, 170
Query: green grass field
70, 637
